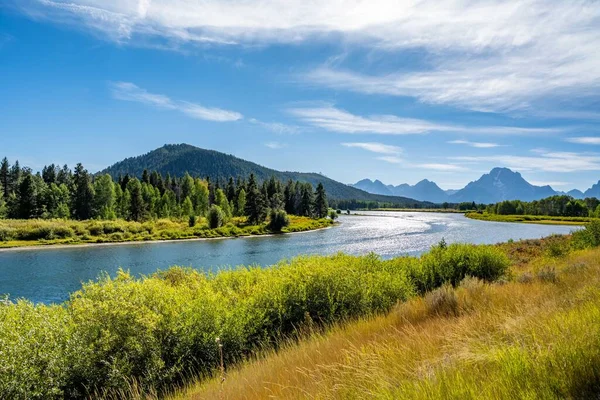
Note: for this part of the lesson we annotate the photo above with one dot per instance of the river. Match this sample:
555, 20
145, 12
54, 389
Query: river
49, 274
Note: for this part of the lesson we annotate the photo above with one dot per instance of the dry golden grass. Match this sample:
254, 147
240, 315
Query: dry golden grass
533, 337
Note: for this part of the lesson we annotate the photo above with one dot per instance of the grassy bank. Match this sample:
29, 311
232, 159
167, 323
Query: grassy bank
536, 336
157, 330
532, 219
20, 233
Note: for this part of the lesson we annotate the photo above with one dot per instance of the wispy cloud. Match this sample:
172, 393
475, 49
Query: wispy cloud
585, 140
277, 127
275, 145
549, 161
376, 147
480, 145
337, 120
491, 56
128, 91
442, 167
390, 159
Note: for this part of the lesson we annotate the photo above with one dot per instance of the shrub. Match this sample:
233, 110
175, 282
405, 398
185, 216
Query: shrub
6, 233
547, 274
442, 302
588, 236
278, 220
452, 263
333, 215
192, 221
215, 217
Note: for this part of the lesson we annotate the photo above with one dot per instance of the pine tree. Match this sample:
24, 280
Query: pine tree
145, 176
2, 202
321, 206
137, 207
14, 177
231, 192
307, 200
49, 174
27, 198
5, 177
84, 194
255, 206
289, 197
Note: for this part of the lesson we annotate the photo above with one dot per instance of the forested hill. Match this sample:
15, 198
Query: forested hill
177, 159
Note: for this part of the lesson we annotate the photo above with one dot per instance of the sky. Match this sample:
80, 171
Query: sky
380, 89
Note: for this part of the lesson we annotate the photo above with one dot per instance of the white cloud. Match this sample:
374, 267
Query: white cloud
480, 145
495, 55
130, 92
376, 147
548, 161
442, 167
275, 145
277, 127
390, 159
336, 120
585, 140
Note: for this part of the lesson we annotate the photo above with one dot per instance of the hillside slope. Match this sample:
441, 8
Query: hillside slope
181, 158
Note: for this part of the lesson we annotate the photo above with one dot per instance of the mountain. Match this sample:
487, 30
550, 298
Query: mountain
594, 191
499, 185
576, 193
177, 159
424, 190
375, 187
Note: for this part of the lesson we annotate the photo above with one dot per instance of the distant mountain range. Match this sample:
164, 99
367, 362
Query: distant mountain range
177, 159
498, 185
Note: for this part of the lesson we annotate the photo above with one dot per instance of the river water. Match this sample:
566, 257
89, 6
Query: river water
48, 275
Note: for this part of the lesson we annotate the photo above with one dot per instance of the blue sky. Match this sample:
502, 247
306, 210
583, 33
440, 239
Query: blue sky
351, 89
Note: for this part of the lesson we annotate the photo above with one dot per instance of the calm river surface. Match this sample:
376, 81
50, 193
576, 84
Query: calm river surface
49, 275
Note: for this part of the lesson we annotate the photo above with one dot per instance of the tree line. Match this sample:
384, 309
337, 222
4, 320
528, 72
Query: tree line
59, 192
558, 206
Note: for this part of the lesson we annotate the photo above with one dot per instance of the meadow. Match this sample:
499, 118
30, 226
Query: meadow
125, 337
532, 219
40, 232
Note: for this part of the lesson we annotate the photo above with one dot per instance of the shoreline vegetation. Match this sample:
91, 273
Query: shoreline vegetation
531, 219
36, 234
143, 338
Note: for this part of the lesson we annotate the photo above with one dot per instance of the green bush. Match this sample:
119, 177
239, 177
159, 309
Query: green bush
278, 220
157, 329
588, 236
215, 217
452, 263
192, 221
6, 233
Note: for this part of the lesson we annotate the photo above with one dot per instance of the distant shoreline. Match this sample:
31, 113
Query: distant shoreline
63, 246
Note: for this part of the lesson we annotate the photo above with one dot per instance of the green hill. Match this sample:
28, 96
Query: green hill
177, 159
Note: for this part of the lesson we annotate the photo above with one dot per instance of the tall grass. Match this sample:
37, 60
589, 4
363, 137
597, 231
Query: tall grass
156, 330
538, 339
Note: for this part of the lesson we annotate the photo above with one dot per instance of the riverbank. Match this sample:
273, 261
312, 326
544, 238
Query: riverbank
37, 234
134, 338
530, 219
